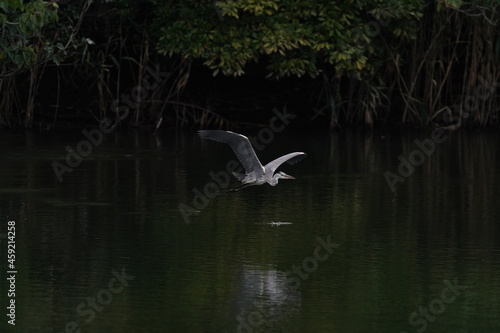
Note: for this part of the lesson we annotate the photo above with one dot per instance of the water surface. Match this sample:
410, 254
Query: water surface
255, 260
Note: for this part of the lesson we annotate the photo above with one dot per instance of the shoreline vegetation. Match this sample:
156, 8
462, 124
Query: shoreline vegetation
228, 64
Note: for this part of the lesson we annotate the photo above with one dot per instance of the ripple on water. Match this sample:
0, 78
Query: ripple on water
274, 224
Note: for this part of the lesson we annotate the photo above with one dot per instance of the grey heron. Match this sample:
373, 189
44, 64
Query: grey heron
255, 172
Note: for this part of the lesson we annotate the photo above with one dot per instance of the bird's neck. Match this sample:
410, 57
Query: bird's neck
274, 180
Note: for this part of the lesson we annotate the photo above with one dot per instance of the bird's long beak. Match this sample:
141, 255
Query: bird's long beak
289, 177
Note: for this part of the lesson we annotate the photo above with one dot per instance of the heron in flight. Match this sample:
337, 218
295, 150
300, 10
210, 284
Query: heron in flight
255, 172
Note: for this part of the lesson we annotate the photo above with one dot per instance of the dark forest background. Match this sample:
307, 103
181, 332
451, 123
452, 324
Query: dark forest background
229, 63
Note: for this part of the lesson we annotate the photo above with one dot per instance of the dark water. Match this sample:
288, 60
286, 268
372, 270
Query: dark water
108, 249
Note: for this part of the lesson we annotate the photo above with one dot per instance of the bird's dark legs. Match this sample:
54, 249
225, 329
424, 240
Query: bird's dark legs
237, 188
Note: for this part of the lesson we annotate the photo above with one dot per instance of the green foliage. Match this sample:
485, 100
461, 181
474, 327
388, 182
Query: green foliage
412, 58
21, 32
294, 37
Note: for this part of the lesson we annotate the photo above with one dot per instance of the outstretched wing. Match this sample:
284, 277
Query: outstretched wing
291, 158
239, 144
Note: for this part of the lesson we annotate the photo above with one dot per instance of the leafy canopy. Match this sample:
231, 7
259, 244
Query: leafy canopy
21, 25
294, 37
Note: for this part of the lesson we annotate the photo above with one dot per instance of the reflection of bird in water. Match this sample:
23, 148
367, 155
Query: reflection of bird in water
255, 173
269, 291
